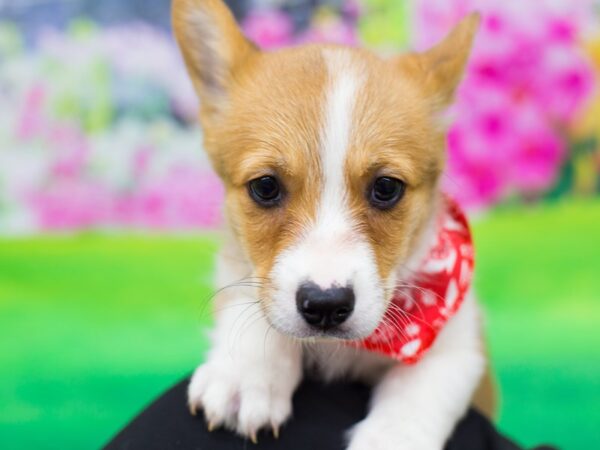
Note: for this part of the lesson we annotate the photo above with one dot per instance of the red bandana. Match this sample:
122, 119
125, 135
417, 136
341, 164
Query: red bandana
422, 307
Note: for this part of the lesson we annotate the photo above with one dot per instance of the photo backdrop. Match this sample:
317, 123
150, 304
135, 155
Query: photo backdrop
98, 119
105, 294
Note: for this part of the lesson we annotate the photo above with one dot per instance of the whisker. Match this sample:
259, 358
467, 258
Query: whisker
241, 283
409, 315
218, 310
398, 322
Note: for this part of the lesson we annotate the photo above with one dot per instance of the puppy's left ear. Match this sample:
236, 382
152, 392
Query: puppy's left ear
440, 69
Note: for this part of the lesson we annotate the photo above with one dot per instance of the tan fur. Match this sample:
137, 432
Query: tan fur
272, 128
486, 395
440, 69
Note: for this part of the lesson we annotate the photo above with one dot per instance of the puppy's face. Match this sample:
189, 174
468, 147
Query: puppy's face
330, 157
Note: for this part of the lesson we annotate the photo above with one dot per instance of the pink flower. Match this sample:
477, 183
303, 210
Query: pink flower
536, 158
476, 170
567, 84
562, 30
475, 184
269, 29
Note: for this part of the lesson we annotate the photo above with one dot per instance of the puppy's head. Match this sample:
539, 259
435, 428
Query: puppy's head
330, 157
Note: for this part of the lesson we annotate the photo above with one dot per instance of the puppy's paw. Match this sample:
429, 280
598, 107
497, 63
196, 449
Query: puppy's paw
373, 434
241, 398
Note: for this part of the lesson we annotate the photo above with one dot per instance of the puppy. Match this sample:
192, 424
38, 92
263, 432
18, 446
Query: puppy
343, 257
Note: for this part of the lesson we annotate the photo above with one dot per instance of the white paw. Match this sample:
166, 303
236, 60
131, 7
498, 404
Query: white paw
240, 398
372, 434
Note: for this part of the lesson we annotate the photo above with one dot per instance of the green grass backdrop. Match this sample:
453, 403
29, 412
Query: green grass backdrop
93, 327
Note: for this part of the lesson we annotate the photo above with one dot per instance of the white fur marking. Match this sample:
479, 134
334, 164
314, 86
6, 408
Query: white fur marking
331, 251
344, 82
333, 226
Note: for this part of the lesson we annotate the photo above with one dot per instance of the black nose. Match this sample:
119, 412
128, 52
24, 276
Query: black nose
324, 308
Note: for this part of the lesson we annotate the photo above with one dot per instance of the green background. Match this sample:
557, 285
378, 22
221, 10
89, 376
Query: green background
93, 327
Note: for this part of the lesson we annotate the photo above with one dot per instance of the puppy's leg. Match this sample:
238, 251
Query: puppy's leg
251, 371
416, 407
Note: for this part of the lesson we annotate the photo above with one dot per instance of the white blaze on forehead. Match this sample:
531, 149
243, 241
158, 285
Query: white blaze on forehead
330, 247
331, 234
344, 80
331, 251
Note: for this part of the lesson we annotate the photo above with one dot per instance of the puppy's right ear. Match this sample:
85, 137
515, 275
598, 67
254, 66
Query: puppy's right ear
440, 69
214, 49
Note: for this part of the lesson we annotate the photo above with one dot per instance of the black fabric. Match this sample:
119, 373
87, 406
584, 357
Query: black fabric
322, 415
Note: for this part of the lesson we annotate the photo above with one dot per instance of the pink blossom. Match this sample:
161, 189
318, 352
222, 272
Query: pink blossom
476, 183
476, 169
561, 29
536, 165
269, 29
567, 84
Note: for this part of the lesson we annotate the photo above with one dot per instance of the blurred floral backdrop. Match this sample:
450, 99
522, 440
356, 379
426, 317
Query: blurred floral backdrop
99, 145
81, 95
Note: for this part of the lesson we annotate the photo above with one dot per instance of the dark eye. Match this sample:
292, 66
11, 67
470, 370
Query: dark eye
265, 191
385, 192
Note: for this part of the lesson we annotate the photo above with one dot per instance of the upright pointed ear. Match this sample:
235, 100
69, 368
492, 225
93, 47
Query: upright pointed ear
440, 69
214, 49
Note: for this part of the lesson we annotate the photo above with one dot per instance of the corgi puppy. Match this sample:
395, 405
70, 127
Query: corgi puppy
338, 236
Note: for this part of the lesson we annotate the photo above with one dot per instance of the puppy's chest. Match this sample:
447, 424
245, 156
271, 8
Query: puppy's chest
335, 360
